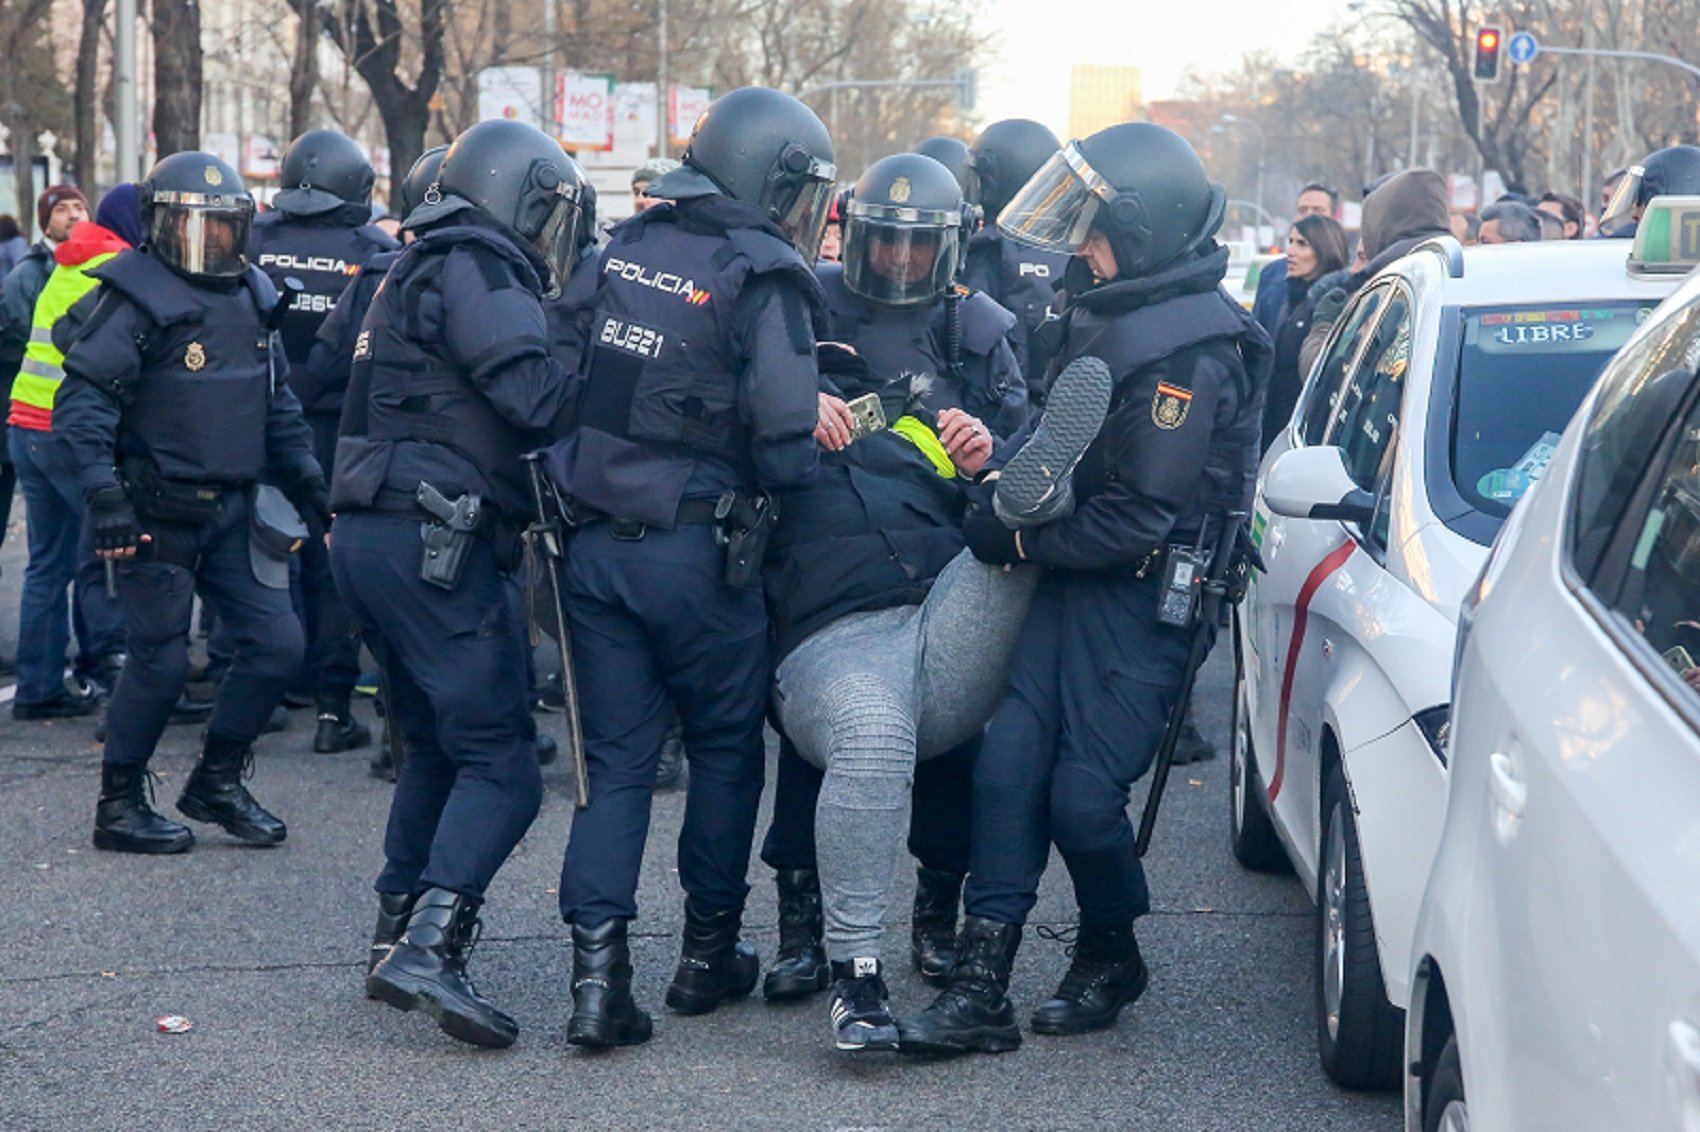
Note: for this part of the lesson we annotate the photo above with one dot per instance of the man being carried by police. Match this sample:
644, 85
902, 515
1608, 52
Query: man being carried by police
453, 382
1020, 277
701, 396
894, 304
174, 407
1102, 655
318, 233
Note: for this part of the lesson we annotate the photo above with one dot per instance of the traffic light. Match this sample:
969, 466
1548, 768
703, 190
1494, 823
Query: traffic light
1490, 46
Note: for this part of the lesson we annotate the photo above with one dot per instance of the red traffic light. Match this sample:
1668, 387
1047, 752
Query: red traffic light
1488, 55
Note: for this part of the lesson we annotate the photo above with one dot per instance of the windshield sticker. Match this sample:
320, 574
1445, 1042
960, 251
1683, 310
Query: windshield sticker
1547, 329
1507, 485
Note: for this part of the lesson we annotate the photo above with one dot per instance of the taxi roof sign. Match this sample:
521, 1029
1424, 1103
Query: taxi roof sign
1667, 240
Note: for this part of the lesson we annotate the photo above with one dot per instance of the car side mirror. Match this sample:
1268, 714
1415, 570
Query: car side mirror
1311, 483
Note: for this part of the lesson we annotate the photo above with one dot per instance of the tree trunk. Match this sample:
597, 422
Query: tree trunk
87, 97
177, 75
404, 130
21, 143
303, 75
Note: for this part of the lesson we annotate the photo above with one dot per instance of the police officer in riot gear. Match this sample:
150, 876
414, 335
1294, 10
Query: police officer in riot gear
1672, 171
893, 301
1095, 671
701, 393
954, 154
174, 408
317, 232
452, 383
1019, 277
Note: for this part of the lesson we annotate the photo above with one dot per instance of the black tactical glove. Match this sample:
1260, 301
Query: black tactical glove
989, 540
112, 520
312, 497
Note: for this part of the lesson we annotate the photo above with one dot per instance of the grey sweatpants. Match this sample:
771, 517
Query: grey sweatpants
871, 693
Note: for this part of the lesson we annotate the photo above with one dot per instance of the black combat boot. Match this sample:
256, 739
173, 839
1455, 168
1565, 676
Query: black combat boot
1105, 975
394, 908
932, 933
715, 966
338, 729
426, 970
604, 1012
801, 967
973, 1012
214, 793
123, 820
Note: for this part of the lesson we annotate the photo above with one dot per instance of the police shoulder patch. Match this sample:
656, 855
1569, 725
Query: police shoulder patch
195, 357
1169, 405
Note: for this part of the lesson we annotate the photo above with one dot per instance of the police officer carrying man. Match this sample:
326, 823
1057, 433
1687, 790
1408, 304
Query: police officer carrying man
318, 233
173, 406
1095, 673
453, 382
893, 300
1019, 277
701, 391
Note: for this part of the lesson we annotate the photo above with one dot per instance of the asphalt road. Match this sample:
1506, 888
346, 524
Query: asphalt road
263, 951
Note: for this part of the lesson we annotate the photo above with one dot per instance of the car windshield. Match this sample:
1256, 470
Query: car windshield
1522, 373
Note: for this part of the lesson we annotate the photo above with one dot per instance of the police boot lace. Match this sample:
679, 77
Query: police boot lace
861, 1008
973, 1012
1036, 486
604, 1012
1105, 974
426, 971
214, 793
932, 937
801, 967
124, 822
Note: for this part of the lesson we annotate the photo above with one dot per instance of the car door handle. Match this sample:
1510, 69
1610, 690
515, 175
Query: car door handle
1510, 796
1682, 1063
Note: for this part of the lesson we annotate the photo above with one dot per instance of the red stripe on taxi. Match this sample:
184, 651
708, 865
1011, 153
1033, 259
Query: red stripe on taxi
1301, 614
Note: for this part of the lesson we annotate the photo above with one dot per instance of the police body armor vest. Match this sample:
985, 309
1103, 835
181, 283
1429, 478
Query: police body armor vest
198, 410
915, 340
1019, 278
662, 378
411, 415
322, 257
1147, 335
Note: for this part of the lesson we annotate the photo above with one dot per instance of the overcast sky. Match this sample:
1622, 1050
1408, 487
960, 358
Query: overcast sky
1039, 40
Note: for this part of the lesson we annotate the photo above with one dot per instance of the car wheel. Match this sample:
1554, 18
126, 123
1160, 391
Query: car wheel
1359, 1033
1251, 833
1444, 1109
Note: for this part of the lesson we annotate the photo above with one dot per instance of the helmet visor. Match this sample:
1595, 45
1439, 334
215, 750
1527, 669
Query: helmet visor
199, 234
805, 220
1055, 209
900, 256
558, 242
1620, 209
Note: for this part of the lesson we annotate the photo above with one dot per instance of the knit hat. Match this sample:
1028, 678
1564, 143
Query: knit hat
120, 213
653, 170
45, 203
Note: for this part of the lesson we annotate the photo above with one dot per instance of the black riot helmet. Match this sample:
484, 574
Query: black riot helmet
953, 154
196, 214
765, 148
1138, 183
1670, 172
903, 231
420, 178
1005, 155
323, 170
520, 178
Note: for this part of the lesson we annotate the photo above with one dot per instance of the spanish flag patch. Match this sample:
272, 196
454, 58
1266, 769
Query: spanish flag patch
1169, 406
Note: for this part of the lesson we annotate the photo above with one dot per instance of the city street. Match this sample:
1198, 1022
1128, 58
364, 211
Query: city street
262, 951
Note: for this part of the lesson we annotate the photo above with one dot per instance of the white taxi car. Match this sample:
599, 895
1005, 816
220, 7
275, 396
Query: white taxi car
1438, 401
1556, 974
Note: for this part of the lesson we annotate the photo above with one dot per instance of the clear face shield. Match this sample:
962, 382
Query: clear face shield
1619, 211
560, 241
804, 217
200, 234
900, 256
1055, 209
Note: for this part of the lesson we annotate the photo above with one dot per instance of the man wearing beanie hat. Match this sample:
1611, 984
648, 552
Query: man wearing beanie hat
650, 171
48, 475
57, 211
